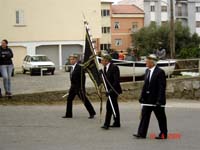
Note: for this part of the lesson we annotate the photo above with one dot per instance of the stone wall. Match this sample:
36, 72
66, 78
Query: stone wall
181, 88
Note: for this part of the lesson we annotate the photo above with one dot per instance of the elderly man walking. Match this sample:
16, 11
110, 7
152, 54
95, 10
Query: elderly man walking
77, 78
153, 93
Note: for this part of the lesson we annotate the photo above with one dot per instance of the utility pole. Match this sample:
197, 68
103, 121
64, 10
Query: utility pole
172, 30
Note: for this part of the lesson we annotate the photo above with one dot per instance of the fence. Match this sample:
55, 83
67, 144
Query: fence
184, 68
173, 68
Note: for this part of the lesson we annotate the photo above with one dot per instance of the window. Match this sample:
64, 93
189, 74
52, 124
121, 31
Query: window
198, 24
179, 11
198, 9
116, 25
105, 29
118, 42
105, 46
105, 12
164, 8
29, 59
152, 8
19, 17
25, 59
134, 26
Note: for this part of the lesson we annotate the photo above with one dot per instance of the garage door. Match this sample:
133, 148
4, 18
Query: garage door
51, 51
19, 53
67, 50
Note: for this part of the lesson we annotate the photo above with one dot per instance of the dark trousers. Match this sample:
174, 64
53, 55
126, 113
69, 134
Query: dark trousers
145, 118
83, 97
109, 111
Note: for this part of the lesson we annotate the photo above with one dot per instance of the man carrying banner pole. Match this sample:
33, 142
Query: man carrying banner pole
111, 75
91, 64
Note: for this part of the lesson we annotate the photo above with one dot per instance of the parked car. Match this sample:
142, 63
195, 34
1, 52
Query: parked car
34, 64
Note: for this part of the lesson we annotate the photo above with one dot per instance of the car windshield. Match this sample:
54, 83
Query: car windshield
39, 58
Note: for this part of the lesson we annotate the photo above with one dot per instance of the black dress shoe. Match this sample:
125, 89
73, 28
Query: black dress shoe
139, 136
161, 136
0, 94
105, 127
9, 97
91, 117
115, 126
66, 116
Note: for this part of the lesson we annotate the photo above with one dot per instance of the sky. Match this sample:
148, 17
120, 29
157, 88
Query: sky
116, 1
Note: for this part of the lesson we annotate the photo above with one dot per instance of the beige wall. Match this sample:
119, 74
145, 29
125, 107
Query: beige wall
49, 20
106, 22
19, 54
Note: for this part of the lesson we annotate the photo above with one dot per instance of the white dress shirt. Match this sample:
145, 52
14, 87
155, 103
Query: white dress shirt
152, 70
73, 67
107, 67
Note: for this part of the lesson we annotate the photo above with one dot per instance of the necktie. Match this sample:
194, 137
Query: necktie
71, 71
148, 76
104, 70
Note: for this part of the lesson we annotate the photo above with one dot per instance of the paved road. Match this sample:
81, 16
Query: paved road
42, 128
23, 84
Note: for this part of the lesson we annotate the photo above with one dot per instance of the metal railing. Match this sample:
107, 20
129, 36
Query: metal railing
181, 65
191, 66
187, 65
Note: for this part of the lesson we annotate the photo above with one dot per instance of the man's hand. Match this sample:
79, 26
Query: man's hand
100, 71
109, 92
141, 100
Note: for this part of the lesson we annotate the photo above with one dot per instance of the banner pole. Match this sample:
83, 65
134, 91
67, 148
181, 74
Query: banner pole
104, 82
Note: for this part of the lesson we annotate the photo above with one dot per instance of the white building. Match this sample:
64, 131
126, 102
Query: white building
186, 11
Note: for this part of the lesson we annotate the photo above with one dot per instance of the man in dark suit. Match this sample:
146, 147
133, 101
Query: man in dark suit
77, 77
112, 78
153, 93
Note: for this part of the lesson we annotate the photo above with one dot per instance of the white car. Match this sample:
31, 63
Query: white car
34, 64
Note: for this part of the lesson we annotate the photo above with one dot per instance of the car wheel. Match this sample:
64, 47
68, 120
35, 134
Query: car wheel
31, 72
52, 72
24, 71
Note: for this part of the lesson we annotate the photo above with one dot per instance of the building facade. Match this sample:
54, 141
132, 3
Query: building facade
185, 11
126, 19
106, 12
48, 27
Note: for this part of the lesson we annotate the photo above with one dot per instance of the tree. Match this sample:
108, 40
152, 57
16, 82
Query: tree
189, 53
152, 37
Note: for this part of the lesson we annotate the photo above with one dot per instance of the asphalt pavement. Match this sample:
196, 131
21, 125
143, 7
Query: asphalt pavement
42, 128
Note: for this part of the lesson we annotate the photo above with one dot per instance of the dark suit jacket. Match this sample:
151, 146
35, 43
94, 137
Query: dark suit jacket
113, 76
156, 88
78, 78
